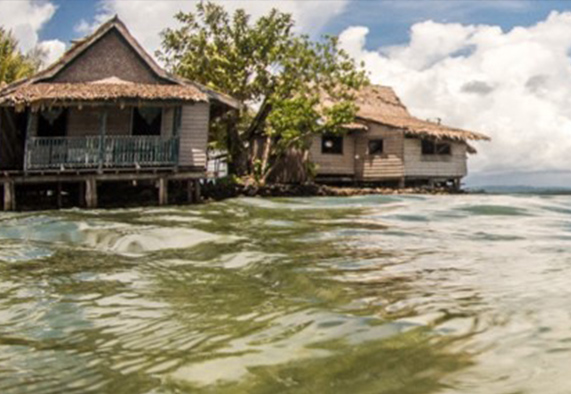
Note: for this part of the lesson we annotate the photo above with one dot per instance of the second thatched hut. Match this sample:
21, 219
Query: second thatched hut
387, 145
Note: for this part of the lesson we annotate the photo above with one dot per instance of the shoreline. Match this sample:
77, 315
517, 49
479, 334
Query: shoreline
219, 192
146, 195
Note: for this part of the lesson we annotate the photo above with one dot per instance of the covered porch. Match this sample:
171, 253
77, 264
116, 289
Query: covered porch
86, 144
103, 125
103, 137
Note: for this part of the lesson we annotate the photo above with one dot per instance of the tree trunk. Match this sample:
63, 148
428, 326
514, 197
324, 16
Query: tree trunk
237, 152
304, 166
265, 159
255, 129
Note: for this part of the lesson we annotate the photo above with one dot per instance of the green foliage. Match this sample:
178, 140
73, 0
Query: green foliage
265, 64
13, 64
258, 170
229, 180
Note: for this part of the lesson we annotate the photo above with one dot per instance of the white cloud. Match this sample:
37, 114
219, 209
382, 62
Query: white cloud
146, 19
514, 86
84, 27
25, 18
52, 49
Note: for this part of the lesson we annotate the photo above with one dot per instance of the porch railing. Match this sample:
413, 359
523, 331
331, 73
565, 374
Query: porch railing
43, 153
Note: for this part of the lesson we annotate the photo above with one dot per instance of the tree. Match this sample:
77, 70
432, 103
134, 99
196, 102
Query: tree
13, 64
279, 74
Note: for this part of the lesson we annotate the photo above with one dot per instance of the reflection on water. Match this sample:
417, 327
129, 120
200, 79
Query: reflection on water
407, 294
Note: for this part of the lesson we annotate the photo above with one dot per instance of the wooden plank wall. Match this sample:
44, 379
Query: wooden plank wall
167, 122
10, 146
386, 166
194, 135
434, 166
87, 121
84, 122
34, 126
334, 164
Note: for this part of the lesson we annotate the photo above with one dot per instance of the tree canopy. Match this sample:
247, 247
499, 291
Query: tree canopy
13, 64
279, 74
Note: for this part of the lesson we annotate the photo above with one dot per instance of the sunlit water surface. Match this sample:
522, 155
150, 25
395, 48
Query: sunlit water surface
379, 294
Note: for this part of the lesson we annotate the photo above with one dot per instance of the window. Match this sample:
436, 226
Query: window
443, 149
376, 147
52, 123
434, 148
147, 121
428, 147
332, 144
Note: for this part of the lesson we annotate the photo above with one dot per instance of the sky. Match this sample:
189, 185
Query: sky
500, 67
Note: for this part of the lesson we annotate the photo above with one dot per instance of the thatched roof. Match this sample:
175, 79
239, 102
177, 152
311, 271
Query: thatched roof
42, 94
38, 88
380, 104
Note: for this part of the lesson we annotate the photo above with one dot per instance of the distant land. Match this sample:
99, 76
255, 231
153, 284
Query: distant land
526, 182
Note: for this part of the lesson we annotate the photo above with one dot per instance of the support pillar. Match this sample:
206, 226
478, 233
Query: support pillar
402, 183
163, 191
58, 195
81, 195
9, 196
91, 193
197, 192
190, 191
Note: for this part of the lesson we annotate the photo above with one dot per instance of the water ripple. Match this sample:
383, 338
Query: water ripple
384, 294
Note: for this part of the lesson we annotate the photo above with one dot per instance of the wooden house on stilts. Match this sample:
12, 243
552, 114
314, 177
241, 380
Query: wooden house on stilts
105, 112
386, 144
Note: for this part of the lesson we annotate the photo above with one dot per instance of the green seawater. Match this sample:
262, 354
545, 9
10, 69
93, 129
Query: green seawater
375, 294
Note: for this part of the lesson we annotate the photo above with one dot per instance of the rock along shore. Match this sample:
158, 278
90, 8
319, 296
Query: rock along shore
223, 191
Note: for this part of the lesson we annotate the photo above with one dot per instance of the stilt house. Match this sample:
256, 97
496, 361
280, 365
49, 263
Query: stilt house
105, 112
389, 145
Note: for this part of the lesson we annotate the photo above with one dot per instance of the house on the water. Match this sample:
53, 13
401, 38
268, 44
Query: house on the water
387, 144
105, 112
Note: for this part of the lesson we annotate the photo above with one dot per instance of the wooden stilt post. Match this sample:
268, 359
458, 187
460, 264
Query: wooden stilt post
58, 195
9, 196
81, 195
402, 183
197, 193
91, 193
163, 191
190, 191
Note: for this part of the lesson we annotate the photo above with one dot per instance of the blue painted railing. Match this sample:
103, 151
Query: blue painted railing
44, 153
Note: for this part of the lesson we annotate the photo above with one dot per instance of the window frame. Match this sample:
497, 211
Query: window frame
444, 149
329, 151
376, 140
433, 148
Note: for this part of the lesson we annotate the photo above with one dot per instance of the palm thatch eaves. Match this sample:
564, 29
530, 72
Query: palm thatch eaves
380, 104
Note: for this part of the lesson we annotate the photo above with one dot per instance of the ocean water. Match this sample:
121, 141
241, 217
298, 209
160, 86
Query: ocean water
375, 294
